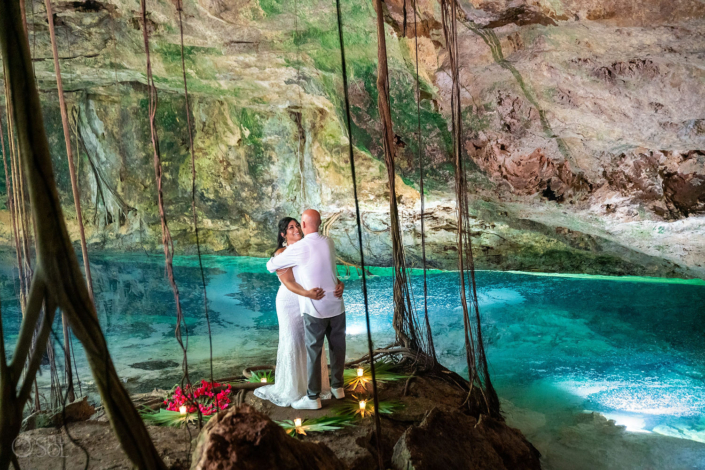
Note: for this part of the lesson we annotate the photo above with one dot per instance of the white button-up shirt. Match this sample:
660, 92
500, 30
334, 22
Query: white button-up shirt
313, 259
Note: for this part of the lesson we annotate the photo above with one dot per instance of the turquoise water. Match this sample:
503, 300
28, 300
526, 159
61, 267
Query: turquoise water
598, 372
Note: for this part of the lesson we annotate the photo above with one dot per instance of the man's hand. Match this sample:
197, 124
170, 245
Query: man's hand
339, 289
316, 293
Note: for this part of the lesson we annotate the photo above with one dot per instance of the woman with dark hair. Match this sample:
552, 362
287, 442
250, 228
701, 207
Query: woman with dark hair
291, 376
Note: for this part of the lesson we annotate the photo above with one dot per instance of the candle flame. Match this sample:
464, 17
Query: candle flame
182, 409
297, 422
360, 372
363, 404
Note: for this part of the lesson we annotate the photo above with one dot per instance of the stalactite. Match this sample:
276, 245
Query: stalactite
100, 179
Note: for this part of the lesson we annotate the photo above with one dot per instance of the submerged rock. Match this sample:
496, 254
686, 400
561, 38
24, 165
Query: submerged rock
453, 440
154, 365
244, 438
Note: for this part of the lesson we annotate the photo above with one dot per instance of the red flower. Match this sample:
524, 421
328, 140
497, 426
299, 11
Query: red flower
202, 398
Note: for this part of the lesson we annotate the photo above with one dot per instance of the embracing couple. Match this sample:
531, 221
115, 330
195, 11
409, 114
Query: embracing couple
309, 309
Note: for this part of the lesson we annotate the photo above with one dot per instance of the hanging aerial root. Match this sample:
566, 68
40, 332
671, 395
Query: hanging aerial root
76, 197
474, 348
370, 347
167, 241
404, 319
193, 190
13, 217
58, 280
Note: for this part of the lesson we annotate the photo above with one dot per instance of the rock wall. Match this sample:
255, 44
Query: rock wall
585, 122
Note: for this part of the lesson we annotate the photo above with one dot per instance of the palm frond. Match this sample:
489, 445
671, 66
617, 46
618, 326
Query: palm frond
168, 418
363, 406
322, 424
383, 373
258, 375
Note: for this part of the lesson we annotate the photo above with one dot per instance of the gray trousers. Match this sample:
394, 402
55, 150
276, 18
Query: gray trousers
316, 329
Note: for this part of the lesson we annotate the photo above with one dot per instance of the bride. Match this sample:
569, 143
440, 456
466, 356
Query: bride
290, 376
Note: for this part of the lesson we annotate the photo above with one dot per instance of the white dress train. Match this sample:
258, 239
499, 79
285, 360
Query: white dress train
291, 375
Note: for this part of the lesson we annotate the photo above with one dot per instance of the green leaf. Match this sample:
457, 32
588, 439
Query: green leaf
257, 376
383, 373
168, 418
322, 424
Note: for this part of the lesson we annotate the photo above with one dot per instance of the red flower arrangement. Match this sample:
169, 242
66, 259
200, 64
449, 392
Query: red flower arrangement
208, 401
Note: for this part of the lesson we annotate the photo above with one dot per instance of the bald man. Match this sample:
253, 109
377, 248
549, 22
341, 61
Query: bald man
313, 260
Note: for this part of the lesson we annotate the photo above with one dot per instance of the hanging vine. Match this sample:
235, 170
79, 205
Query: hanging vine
9, 186
76, 197
167, 241
57, 281
179, 8
404, 319
19, 228
475, 351
422, 196
299, 116
351, 156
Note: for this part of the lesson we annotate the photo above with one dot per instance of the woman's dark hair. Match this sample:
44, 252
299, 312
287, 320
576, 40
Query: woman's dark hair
283, 225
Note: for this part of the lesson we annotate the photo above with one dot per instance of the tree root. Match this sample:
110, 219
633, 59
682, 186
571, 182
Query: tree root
58, 280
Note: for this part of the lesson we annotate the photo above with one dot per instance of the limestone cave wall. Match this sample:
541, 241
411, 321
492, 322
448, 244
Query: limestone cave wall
584, 121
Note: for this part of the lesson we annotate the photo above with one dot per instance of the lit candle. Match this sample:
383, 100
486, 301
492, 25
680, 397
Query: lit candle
264, 380
360, 371
182, 409
297, 422
363, 404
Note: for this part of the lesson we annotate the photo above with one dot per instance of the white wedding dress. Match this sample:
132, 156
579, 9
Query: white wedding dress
291, 375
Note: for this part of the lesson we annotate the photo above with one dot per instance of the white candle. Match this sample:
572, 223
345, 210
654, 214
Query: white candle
182, 409
264, 380
360, 371
363, 404
297, 422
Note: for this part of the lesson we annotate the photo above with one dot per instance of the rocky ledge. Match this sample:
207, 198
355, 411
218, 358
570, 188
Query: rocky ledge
431, 430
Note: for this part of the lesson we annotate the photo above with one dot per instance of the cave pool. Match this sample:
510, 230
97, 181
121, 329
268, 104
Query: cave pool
598, 372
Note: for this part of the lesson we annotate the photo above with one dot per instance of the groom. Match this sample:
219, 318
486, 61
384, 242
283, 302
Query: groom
313, 260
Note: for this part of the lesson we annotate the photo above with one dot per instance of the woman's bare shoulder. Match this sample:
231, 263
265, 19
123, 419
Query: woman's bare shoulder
279, 251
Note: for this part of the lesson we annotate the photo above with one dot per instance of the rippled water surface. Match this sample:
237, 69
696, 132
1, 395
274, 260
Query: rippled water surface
597, 372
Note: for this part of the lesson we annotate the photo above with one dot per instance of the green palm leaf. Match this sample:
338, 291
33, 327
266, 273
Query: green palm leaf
257, 376
384, 372
322, 424
168, 418
363, 406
